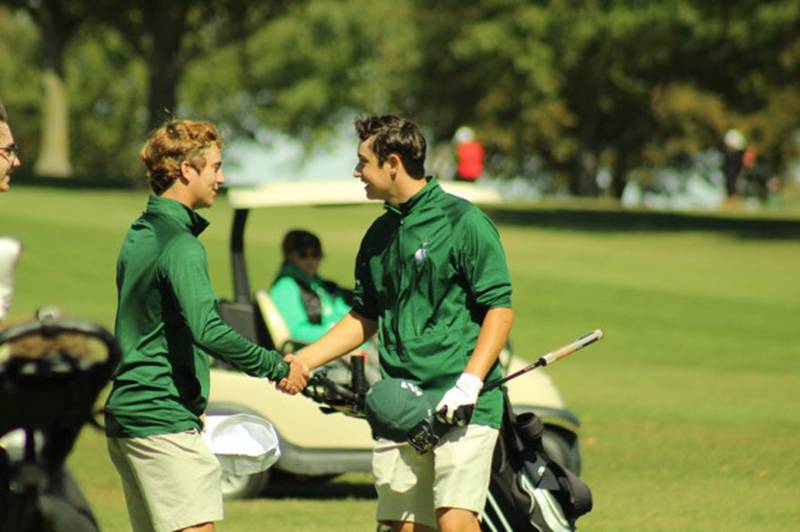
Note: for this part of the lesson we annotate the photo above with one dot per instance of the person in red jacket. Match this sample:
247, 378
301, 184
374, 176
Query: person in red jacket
469, 155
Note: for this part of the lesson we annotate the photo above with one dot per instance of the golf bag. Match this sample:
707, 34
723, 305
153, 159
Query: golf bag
51, 372
528, 491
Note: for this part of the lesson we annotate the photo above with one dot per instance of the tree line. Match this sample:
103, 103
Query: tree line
559, 87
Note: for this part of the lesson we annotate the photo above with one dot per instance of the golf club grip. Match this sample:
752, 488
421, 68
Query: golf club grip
565, 351
358, 378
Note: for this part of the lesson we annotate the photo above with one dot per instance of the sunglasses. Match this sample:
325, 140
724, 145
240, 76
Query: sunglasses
309, 254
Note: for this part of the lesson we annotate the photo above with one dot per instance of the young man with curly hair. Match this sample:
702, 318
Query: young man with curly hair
167, 325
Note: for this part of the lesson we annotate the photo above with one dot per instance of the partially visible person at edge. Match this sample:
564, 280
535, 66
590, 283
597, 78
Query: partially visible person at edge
9, 153
59, 500
310, 305
469, 155
432, 280
167, 325
10, 248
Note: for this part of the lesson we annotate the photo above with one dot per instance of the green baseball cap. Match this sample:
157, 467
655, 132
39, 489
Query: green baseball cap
395, 407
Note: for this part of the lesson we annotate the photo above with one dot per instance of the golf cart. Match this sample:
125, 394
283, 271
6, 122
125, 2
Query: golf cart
315, 445
51, 372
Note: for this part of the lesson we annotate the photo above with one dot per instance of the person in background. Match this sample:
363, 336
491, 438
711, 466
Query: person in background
10, 248
733, 162
310, 304
469, 155
9, 151
60, 504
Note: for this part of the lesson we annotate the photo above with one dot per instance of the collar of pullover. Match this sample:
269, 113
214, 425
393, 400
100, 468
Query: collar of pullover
178, 212
430, 189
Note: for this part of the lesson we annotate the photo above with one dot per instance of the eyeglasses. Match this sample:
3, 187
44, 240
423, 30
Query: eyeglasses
12, 151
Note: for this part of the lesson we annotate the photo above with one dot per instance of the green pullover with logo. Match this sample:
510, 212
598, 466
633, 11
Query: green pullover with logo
167, 325
428, 271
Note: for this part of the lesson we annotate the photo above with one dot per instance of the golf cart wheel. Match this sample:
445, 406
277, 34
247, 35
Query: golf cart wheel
239, 486
557, 446
243, 486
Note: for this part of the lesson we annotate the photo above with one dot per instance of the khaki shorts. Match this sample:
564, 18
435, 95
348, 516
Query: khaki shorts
171, 481
411, 486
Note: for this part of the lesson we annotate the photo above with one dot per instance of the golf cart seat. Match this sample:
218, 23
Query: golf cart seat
274, 322
338, 370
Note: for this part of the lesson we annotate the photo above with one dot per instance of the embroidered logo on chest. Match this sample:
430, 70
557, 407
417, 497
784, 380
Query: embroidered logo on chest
421, 254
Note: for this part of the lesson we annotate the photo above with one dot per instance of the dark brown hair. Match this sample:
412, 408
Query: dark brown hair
300, 240
393, 134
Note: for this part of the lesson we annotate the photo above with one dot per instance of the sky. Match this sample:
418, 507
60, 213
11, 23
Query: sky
283, 158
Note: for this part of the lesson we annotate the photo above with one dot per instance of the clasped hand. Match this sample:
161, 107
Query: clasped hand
297, 378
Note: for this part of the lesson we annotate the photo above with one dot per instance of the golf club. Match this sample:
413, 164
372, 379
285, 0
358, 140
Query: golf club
551, 357
463, 413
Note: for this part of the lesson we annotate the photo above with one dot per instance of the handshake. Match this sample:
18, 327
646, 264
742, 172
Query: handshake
297, 378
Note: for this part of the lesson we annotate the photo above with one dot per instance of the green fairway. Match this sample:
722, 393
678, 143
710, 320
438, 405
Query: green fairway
689, 405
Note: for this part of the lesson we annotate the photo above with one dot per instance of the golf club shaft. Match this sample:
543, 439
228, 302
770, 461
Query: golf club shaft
551, 357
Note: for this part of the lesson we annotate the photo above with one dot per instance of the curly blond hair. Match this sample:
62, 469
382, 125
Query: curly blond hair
175, 142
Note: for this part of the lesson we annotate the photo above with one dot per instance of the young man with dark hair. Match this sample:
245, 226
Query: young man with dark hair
167, 324
432, 280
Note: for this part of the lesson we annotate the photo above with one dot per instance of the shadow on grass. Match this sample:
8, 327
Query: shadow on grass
320, 489
612, 220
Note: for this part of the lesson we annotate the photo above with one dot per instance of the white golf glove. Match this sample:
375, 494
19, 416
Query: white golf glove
456, 406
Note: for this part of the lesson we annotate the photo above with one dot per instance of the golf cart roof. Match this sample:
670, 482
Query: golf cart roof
321, 192
335, 192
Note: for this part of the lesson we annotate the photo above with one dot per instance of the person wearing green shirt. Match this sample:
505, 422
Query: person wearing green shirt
167, 325
310, 305
431, 279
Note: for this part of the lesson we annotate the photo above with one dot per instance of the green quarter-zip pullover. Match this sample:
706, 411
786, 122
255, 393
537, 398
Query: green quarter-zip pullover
428, 271
167, 324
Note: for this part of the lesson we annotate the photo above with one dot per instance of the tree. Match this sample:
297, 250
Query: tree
612, 84
169, 36
305, 72
58, 21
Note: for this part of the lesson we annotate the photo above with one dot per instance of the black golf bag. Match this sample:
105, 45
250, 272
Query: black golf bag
51, 372
528, 491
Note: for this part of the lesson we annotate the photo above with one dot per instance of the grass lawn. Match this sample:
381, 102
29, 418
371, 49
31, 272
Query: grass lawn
689, 405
